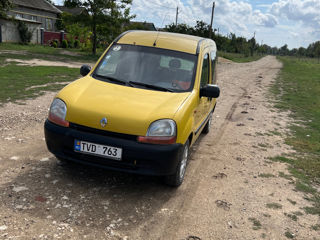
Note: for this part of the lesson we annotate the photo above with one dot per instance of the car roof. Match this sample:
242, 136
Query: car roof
172, 41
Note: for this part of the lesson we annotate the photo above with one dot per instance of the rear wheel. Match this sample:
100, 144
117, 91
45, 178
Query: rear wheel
176, 179
206, 128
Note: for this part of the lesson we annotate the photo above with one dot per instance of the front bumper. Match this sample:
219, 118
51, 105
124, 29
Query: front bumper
141, 158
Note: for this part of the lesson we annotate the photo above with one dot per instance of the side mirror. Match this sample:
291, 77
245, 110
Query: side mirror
210, 91
84, 70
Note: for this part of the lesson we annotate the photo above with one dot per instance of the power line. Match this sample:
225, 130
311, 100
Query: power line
161, 5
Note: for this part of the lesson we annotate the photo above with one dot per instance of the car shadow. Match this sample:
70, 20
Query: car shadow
83, 196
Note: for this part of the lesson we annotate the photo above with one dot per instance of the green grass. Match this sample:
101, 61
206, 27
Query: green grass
291, 201
281, 159
240, 58
256, 223
15, 81
289, 235
275, 133
285, 176
274, 205
266, 175
47, 52
293, 217
315, 227
297, 90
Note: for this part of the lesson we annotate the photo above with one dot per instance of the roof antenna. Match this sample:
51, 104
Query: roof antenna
155, 41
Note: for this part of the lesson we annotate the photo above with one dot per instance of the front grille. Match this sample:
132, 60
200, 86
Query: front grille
86, 158
103, 132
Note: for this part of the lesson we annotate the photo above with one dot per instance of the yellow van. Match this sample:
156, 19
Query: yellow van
140, 108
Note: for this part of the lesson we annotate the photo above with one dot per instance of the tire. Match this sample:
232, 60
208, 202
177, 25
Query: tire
206, 128
63, 161
176, 179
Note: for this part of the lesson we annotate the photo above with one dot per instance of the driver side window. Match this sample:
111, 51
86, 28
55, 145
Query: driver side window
205, 71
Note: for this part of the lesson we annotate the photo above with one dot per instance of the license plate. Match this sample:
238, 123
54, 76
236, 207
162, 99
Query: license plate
97, 149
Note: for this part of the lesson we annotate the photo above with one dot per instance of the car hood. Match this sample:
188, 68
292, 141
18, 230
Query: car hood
127, 110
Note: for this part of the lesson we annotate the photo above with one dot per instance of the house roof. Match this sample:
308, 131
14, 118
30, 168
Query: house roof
148, 25
37, 4
73, 11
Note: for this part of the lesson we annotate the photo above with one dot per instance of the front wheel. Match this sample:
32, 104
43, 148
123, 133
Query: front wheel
176, 179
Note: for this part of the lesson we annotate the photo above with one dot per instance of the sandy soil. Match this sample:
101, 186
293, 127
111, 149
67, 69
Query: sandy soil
223, 193
41, 62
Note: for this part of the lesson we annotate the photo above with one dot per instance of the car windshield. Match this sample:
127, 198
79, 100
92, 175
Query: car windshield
148, 67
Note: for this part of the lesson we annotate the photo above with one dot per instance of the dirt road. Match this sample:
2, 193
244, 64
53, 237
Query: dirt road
231, 191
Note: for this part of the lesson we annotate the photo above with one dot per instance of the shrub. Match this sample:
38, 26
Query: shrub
87, 46
77, 43
64, 44
25, 34
71, 43
57, 42
54, 44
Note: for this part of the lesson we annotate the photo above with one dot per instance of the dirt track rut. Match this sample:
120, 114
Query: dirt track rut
222, 194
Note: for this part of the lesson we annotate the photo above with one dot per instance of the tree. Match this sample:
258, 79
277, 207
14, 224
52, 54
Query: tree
5, 6
302, 51
105, 18
252, 45
50, 1
317, 50
179, 28
284, 50
202, 29
25, 34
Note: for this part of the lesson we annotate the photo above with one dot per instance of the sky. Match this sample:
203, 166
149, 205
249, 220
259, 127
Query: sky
274, 22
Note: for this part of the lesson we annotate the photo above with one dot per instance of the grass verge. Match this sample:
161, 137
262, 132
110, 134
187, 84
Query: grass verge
14, 50
24, 82
297, 90
240, 58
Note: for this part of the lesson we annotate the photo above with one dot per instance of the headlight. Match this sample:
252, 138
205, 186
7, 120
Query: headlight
163, 127
162, 131
58, 112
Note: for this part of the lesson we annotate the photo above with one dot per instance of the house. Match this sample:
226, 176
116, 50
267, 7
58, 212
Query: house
36, 14
146, 25
73, 11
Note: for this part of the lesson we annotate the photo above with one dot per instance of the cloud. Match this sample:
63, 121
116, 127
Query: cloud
264, 20
232, 16
271, 20
304, 11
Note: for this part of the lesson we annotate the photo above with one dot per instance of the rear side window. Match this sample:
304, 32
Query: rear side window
213, 66
205, 71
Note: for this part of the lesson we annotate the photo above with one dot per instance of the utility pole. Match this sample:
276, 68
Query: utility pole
177, 16
210, 32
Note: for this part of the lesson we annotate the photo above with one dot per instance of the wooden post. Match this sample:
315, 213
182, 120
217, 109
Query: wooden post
0, 33
62, 35
177, 16
212, 13
42, 36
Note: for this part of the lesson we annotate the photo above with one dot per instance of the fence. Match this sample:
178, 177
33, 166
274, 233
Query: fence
49, 36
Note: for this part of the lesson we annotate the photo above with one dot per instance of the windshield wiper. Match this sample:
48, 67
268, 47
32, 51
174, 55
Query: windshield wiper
112, 79
151, 86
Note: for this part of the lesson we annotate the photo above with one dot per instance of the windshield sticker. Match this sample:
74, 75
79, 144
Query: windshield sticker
116, 48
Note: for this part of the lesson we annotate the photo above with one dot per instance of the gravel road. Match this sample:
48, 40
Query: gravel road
229, 180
